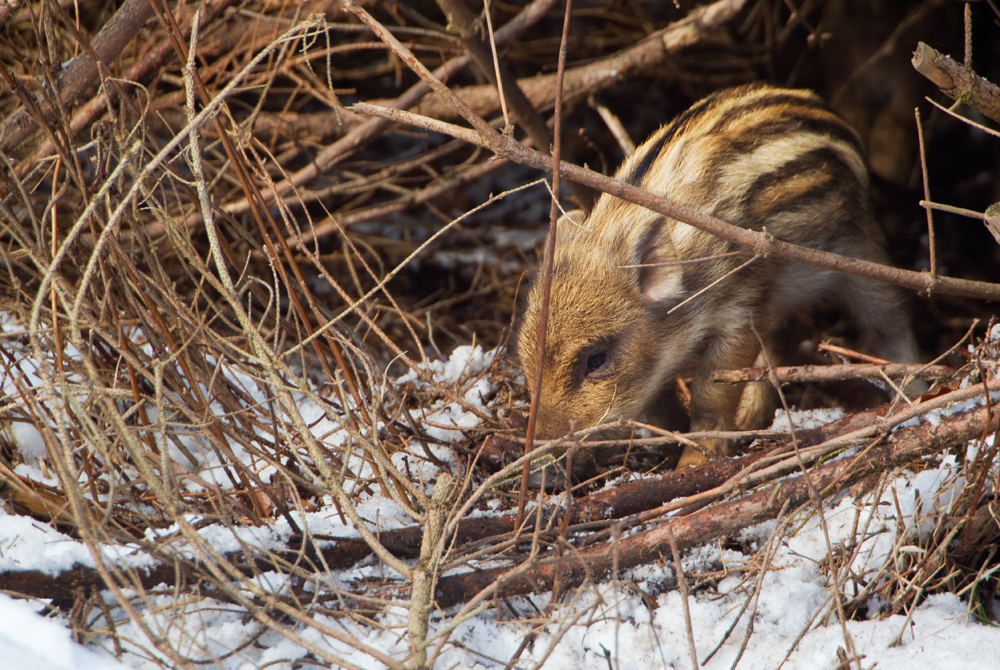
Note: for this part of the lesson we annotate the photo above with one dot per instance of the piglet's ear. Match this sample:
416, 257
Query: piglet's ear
654, 253
568, 226
574, 218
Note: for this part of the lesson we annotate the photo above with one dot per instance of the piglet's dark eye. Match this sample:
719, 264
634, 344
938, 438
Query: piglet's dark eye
596, 361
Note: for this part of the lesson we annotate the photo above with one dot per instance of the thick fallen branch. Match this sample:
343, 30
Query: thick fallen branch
958, 81
824, 373
904, 447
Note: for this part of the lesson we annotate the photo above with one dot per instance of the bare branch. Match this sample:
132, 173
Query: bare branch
957, 81
824, 373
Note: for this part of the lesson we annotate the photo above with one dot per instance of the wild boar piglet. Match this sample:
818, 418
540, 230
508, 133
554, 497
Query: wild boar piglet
639, 299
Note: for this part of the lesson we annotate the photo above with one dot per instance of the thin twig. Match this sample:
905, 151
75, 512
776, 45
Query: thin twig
931, 245
550, 249
682, 587
963, 119
614, 124
850, 353
496, 62
960, 211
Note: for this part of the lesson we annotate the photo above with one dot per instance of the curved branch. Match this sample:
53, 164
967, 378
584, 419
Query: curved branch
760, 243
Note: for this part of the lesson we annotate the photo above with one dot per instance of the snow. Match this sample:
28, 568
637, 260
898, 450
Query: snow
26, 544
597, 626
30, 642
805, 419
465, 362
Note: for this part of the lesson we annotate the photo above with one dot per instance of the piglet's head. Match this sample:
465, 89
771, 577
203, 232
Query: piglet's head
603, 351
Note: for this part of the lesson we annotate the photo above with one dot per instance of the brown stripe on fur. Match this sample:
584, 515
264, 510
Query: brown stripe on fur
808, 180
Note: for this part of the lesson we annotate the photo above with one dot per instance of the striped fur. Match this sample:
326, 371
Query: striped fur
622, 328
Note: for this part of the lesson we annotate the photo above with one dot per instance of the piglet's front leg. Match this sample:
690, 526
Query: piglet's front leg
714, 406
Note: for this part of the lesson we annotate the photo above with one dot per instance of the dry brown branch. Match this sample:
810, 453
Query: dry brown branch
958, 81
824, 373
7, 8
760, 243
850, 353
991, 217
32, 498
614, 124
964, 119
931, 243
960, 211
650, 53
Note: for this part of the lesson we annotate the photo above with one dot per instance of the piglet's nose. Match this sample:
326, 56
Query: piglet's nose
551, 425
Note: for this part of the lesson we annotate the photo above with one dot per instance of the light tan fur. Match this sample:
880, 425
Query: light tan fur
624, 318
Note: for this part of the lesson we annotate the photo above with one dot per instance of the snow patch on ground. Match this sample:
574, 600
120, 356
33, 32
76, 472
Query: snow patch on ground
31, 642
445, 419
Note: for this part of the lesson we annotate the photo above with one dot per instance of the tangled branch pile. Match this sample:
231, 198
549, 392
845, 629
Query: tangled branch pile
225, 297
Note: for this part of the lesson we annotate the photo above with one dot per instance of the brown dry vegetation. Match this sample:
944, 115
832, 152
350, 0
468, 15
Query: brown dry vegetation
340, 253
